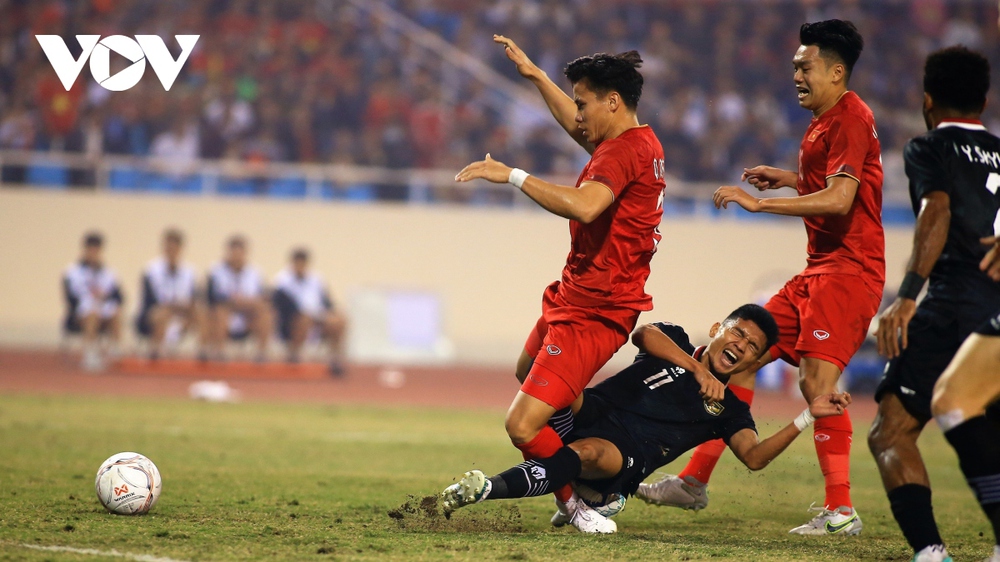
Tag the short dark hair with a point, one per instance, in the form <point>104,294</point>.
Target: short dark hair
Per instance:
<point>759,316</point>
<point>237,241</point>
<point>957,78</point>
<point>605,73</point>
<point>834,37</point>
<point>93,238</point>
<point>300,254</point>
<point>173,235</point>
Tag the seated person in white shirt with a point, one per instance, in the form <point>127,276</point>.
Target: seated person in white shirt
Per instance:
<point>304,306</point>
<point>94,299</point>
<point>169,297</point>
<point>237,305</point>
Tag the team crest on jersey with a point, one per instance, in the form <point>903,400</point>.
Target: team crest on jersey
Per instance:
<point>821,334</point>
<point>813,136</point>
<point>553,349</point>
<point>713,407</point>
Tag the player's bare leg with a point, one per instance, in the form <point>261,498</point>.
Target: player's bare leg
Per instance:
<point>961,396</point>
<point>893,442</point>
<point>159,317</point>
<point>300,331</point>
<point>218,329</point>
<point>90,326</point>
<point>832,438</point>
<point>689,489</point>
<point>526,418</point>
<point>334,328</point>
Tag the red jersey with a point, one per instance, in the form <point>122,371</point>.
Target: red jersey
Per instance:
<point>843,142</point>
<point>608,262</point>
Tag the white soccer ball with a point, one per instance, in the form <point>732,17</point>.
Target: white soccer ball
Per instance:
<point>607,505</point>
<point>128,484</point>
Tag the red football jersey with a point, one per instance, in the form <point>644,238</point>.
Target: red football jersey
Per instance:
<point>843,142</point>
<point>608,262</point>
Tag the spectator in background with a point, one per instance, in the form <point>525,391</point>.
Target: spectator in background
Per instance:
<point>237,305</point>
<point>94,300</point>
<point>169,304</point>
<point>304,308</point>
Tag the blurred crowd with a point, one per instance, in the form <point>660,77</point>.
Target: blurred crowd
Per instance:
<point>332,81</point>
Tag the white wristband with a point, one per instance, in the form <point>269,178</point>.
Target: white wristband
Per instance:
<point>804,420</point>
<point>517,177</point>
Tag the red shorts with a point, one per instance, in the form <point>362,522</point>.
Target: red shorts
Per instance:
<point>822,316</point>
<point>570,344</point>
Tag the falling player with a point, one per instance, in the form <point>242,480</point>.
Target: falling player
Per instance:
<point>839,183</point>
<point>953,187</point>
<point>614,212</point>
<point>649,414</point>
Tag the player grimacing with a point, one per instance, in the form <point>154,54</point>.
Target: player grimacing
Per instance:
<point>614,212</point>
<point>647,415</point>
<point>824,312</point>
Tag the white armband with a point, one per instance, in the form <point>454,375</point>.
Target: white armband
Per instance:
<point>804,420</point>
<point>517,177</point>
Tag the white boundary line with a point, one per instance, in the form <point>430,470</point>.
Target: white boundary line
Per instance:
<point>109,553</point>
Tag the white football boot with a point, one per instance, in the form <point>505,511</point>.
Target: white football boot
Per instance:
<point>586,520</point>
<point>996,555</point>
<point>687,493</point>
<point>932,553</point>
<point>472,488</point>
<point>830,523</point>
<point>564,511</point>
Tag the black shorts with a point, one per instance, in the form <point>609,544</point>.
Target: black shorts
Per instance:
<point>991,327</point>
<point>633,471</point>
<point>934,337</point>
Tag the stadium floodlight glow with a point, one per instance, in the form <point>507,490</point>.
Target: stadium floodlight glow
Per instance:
<point>139,50</point>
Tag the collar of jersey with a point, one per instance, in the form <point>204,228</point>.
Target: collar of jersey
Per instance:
<point>970,124</point>
<point>698,351</point>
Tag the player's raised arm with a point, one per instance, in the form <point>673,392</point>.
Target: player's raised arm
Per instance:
<point>583,204</point>
<point>561,105</point>
<point>769,177</point>
<point>651,340</point>
<point>929,239</point>
<point>756,455</point>
<point>836,199</point>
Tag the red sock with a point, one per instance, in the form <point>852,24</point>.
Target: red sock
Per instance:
<point>706,455</point>
<point>832,436</point>
<point>544,445</point>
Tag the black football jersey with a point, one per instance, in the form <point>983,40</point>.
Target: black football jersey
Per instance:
<point>658,404</point>
<point>963,160</point>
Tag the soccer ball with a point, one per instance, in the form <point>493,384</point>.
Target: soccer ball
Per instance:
<point>607,505</point>
<point>128,484</point>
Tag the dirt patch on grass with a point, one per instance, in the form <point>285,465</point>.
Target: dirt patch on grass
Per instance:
<point>425,514</point>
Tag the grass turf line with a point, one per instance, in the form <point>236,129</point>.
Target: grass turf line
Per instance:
<point>263,481</point>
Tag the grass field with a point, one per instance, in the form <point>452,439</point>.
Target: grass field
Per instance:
<point>262,481</point>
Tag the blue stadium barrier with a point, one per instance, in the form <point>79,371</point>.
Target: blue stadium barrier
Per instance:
<point>162,183</point>
<point>358,192</point>
<point>125,179</point>
<point>290,188</point>
<point>234,186</point>
<point>47,175</point>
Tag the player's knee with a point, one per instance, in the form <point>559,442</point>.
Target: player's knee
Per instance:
<point>590,455</point>
<point>943,401</point>
<point>519,429</point>
<point>879,440</point>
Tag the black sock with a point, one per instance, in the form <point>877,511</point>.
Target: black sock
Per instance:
<point>911,506</point>
<point>536,477</point>
<point>977,442</point>
<point>562,422</point>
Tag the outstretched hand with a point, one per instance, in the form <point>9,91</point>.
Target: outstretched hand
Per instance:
<point>832,404</point>
<point>487,169</point>
<point>731,194</point>
<point>991,262</point>
<point>763,177</point>
<point>524,65</point>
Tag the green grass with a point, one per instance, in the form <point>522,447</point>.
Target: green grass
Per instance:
<point>259,481</point>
